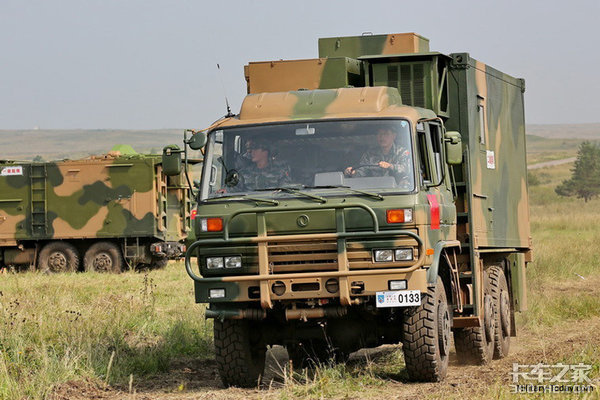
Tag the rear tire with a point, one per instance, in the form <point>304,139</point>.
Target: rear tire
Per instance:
<point>103,257</point>
<point>476,345</point>
<point>426,336</point>
<point>58,257</point>
<point>503,323</point>
<point>314,353</point>
<point>159,262</point>
<point>239,352</point>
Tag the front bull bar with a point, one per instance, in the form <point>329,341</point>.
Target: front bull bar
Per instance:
<point>262,240</point>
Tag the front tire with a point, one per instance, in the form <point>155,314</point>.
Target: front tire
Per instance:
<point>58,257</point>
<point>239,352</point>
<point>426,336</point>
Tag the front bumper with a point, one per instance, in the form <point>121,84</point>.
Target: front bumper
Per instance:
<point>352,284</point>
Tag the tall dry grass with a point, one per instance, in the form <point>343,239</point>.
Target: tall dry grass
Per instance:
<point>56,328</point>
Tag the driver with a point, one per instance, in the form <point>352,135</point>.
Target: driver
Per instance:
<point>387,159</point>
<point>264,171</point>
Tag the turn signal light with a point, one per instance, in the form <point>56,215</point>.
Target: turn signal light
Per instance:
<point>211,224</point>
<point>398,216</point>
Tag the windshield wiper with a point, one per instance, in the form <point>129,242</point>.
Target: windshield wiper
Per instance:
<point>294,190</point>
<point>244,197</point>
<point>348,189</point>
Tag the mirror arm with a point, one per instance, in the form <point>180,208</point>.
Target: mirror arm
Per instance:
<point>185,161</point>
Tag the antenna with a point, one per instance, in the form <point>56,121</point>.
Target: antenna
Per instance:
<point>229,114</point>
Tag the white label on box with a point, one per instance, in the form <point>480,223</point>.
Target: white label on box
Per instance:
<point>398,298</point>
<point>16,170</point>
<point>491,159</point>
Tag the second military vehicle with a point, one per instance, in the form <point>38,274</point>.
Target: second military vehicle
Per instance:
<point>99,213</point>
<point>376,194</point>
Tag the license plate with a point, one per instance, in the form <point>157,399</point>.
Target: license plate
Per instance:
<point>398,298</point>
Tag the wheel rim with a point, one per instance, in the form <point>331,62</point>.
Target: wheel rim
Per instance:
<point>57,261</point>
<point>505,313</point>
<point>444,329</point>
<point>102,262</point>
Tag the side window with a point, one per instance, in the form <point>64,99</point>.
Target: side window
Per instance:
<point>424,167</point>
<point>435,133</point>
<point>217,171</point>
<point>481,114</point>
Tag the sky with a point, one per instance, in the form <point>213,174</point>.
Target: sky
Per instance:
<point>151,64</point>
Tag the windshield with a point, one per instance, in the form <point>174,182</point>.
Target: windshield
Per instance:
<point>357,154</point>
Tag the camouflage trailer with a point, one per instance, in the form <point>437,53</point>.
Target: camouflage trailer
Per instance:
<point>96,213</point>
<point>387,226</point>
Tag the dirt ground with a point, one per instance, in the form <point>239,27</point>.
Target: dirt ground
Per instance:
<point>195,379</point>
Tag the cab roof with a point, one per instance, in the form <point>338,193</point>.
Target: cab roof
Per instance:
<point>365,102</point>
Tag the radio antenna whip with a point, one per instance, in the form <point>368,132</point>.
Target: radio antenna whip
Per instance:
<point>229,114</point>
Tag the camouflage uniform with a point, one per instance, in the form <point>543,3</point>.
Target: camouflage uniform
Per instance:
<point>276,174</point>
<point>398,156</point>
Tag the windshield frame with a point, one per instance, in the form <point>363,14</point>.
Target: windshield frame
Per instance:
<point>325,192</point>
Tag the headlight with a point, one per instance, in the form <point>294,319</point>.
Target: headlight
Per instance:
<point>233,262</point>
<point>384,255</point>
<point>404,254</point>
<point>214,262</point>
<point>216,293</point>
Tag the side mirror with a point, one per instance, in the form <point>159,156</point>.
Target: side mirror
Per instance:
<point>453,144</point>
<point>171,160</point>
<point>197,141</point>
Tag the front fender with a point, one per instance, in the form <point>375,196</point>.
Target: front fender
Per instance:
<point>433,271</point>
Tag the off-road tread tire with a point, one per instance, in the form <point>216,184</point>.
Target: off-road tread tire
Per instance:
<point>470,343</point>
<point>107,247</point>
<point>68,250</point>
<point>159,262</point>
<point>235,363</point>
<point>420,339</point>
<point>498,282</point>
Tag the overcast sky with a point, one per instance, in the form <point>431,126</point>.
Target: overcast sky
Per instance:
<point>149,64</point>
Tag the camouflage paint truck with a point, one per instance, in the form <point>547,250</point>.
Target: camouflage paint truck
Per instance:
<point>350,240</point>
<point>96,213</point>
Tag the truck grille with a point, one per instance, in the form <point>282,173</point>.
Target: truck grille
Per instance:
<point>315,256</point>
<point>305,256</point>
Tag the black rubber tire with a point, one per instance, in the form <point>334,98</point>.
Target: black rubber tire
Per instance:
<point>503,322</point>
<point>239,353</point>
<point>159,262</point>
<point>58,257</point>
<point>103,257</point>
<point>426,336</point>
<point>473,345</point>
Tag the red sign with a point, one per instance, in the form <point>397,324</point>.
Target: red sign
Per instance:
<point>434,208</point>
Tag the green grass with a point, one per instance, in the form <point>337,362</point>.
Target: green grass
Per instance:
<point>60,328</point>
<point>57,328</point>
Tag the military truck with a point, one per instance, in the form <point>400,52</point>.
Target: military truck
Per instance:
<point>99,214</point>
<point>344,238</point>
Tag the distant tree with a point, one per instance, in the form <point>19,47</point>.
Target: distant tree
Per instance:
<point>154,150</point>
<point>532,179</point>
<point>38,158</point>
<point>585,180</point>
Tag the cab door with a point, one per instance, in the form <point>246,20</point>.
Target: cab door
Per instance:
<point>440,200</point>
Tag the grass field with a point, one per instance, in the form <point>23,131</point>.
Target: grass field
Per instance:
<point>140,335</point>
